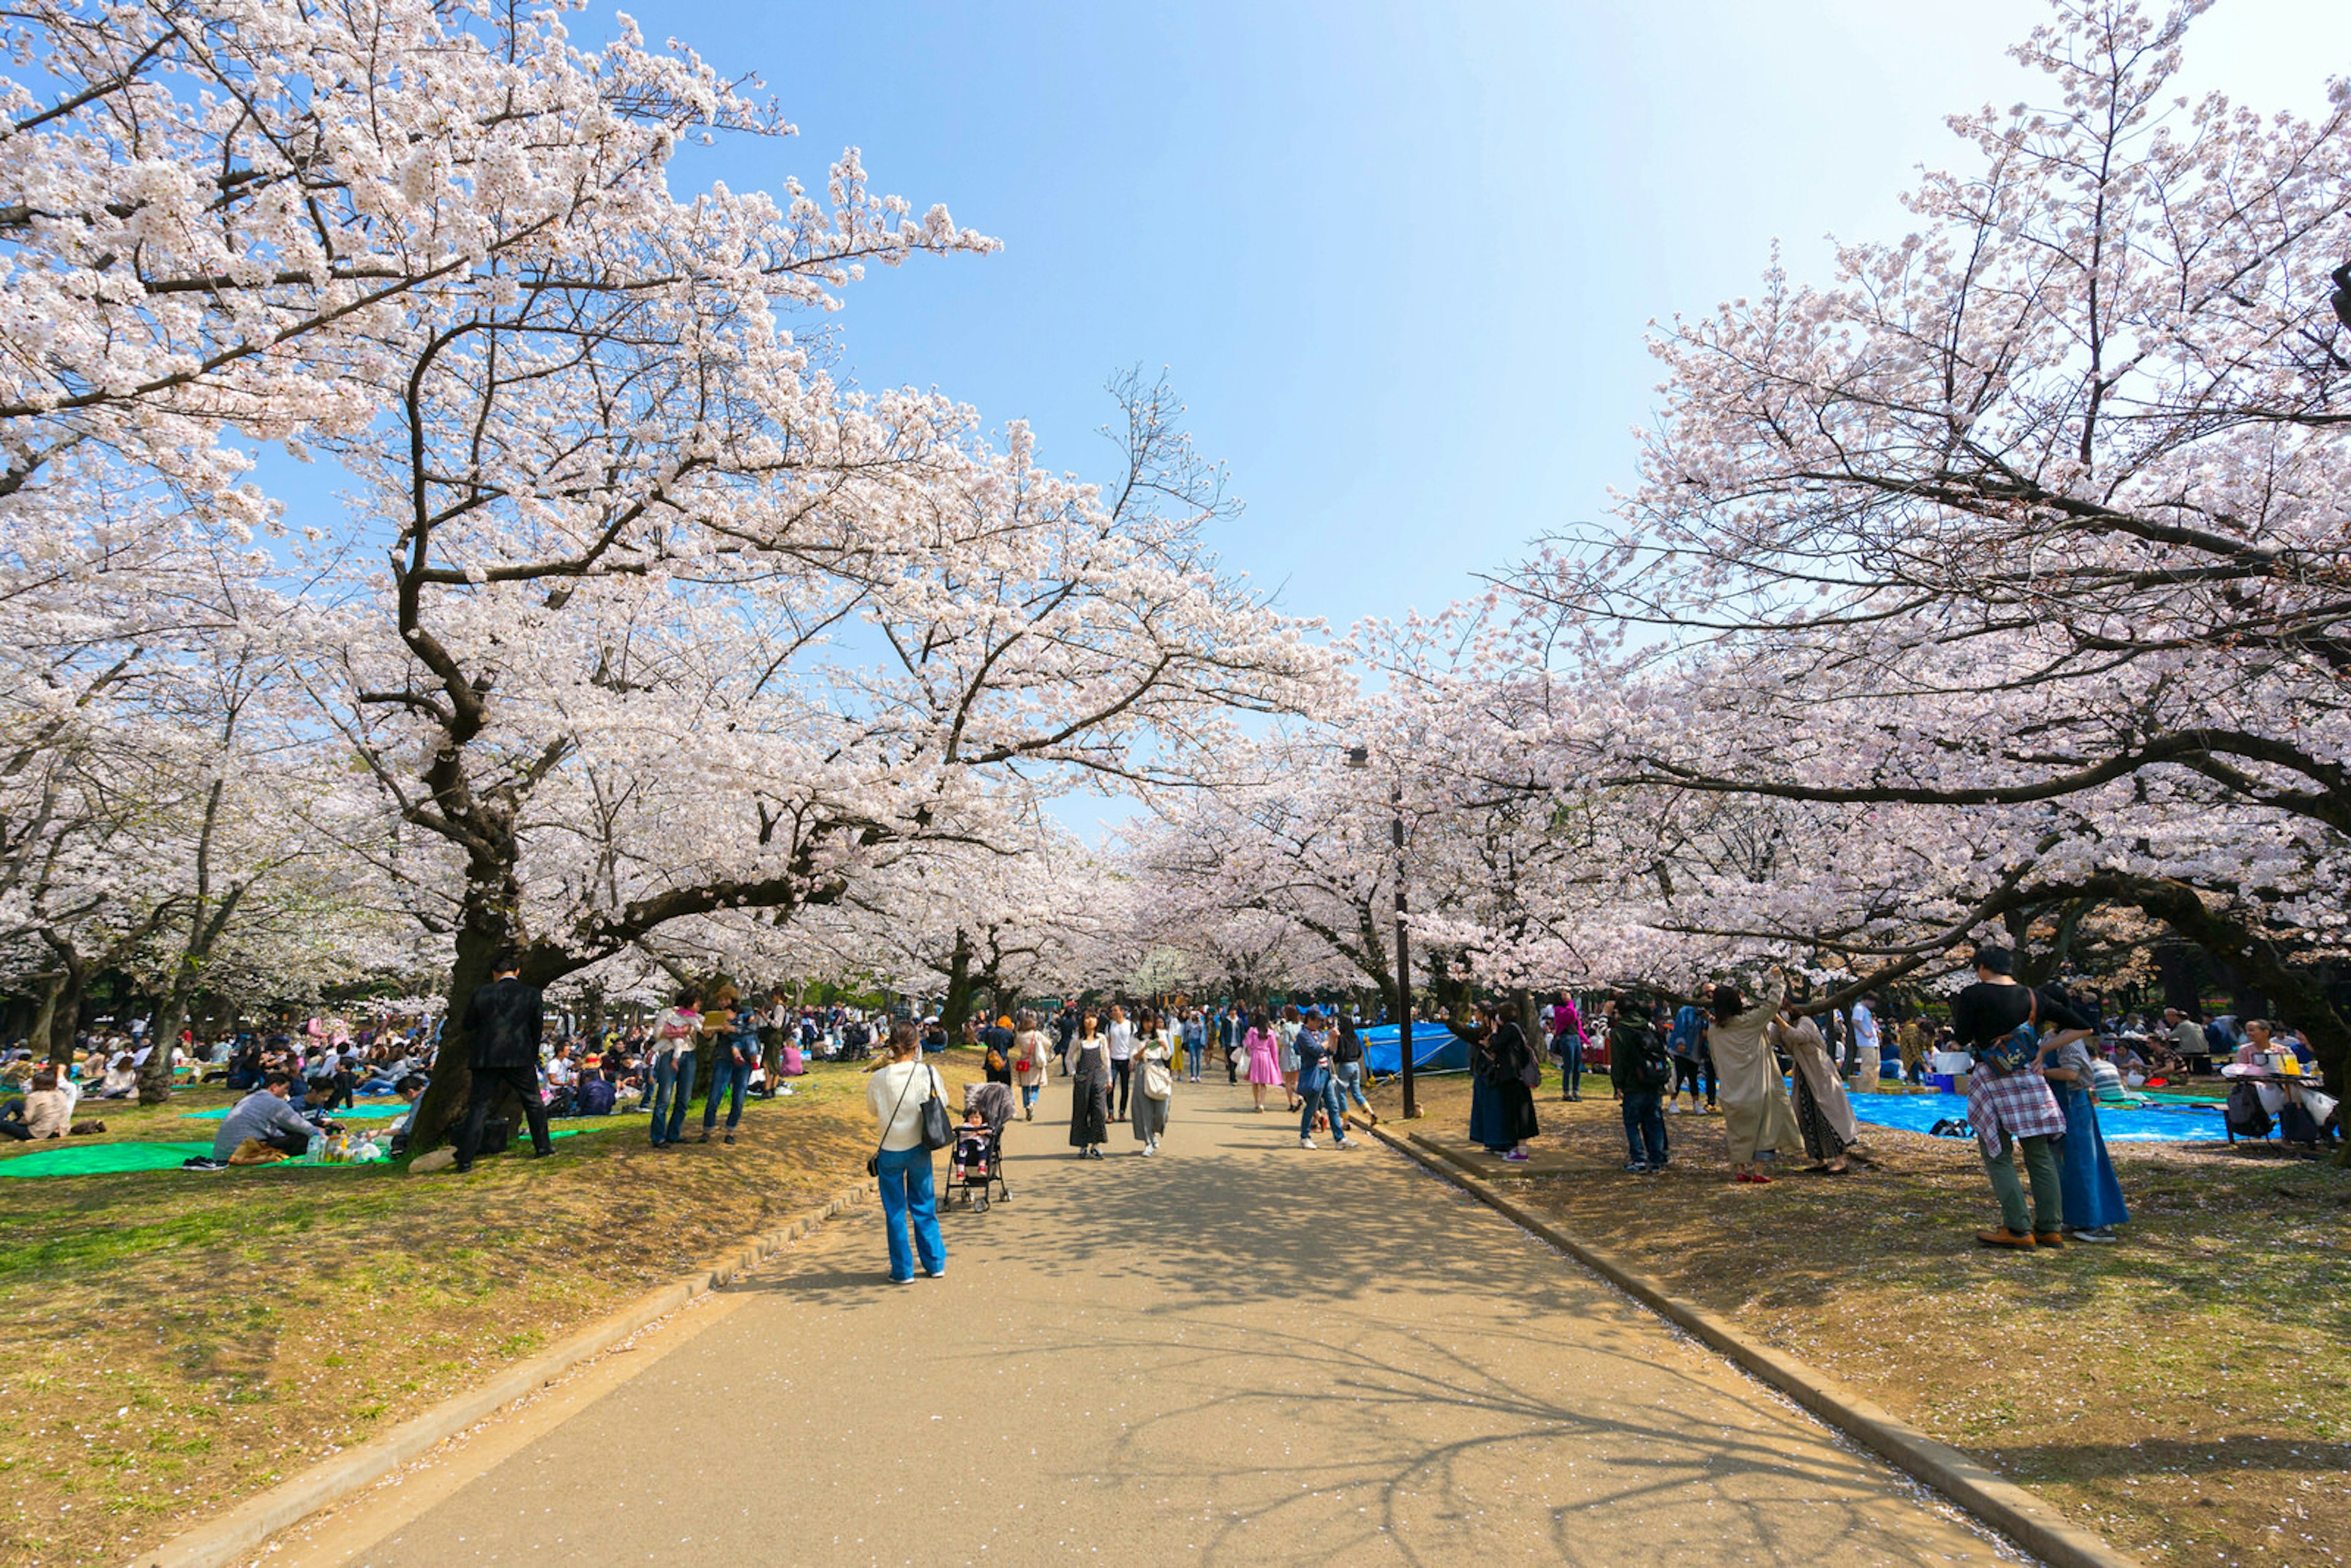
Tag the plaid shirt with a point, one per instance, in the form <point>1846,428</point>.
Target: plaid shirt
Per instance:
<point>2020,1104</point>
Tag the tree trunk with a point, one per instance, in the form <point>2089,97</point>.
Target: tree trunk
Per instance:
<point>957,1006</point>
<point>44,1016</point>
<point>484,930</point>
<point>64,1005</point>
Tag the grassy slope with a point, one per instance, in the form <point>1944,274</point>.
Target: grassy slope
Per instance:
<point>176,1341</point>
<point>2186,1391</point>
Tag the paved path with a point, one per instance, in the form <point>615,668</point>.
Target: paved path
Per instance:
<point>1236,1351</point>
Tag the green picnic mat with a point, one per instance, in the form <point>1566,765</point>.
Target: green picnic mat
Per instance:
<point>357,1110</point>
<point>72,1159</point>
<point>101,1159</point>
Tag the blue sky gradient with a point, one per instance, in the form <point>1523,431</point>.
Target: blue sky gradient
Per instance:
<point>1399,258</point>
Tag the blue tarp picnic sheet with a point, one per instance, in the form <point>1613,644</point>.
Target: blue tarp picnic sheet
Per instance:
<point>2177,1124</point>
<point>357,1110</point>
<point>1434,1047</point>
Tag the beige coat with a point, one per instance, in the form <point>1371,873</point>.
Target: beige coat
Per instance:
<point>1756,1115</point>
<point>1036,1046</point>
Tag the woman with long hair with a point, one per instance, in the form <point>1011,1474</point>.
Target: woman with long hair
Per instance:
<point>1089,1089</point>
<point>896,1094</point>
<point>1503,1118</point>
<point>1756,1117</point>
<point>1264,1047</point>
<point>1031,1059</point>
<point>1823,1114</point>
<point>1154,1055</point>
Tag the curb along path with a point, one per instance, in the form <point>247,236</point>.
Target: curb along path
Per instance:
<point>1990,1497</point>
<point>223,1539</point>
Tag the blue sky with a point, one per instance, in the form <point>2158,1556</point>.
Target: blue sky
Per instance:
<point>1398,258</point>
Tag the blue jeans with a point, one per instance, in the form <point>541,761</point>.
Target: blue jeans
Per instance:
<point>1326,1101</point>
<point>905,1175</point>
<point>1028,1094</point>
<point>1571,1078</point>
<point>1645,1123</point>
<point>730,1074</point>
<point>1348,1078</point>
<point>673,1087</point>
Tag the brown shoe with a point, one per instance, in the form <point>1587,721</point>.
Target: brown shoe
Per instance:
<point>2048,1239</point>
<point>2020,1239</point>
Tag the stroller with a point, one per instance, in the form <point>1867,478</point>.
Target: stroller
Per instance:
<point>976,1166</point>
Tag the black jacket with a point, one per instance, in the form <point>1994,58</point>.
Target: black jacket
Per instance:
<point>502,1025</point>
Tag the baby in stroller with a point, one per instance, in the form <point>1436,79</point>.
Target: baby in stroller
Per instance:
<point>976,1165</point>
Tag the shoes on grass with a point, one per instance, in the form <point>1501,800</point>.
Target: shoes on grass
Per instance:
<point>2016,1241</point>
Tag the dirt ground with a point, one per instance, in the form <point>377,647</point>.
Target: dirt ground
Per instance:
<point>2186,1391</point>
<point>175,1341</point>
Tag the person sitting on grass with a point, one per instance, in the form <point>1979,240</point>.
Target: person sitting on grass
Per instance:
<point>45,1112</point>
<point>411,1089</point>
<point>264,1115</point>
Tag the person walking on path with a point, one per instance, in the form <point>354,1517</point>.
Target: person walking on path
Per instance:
<point>503,1023</point>
<point>1154,1090</point>
<point>1121,1036</point>
<point>1287,1028</point>
<point>1235,1031</point>
<point>1318,1090</point>
<point>1823,1114</point>
<point>1264,1048</point>
<point>1347,1070</point>
<point>2014,1113</point>
<point>896,1094</point>
<point>1756,1118</point>
<point>672,1066</point>
<point>1692,1064</point>
<point>1567,1039</point>
<point>1639,1070</point>
<point>1089,1089</point>
<point>737,1030</point>
<point>1195,1044</point>
<point>1030,1063</point>
<point>1065,1033</point>
<point>2090,1196</point>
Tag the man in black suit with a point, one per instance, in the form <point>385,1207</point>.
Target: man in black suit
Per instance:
<point>502,1030</point>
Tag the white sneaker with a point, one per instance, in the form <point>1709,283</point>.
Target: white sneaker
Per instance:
<point>1305,1143</point>
<point>1673,1110</point>
<point>1149,1148</point>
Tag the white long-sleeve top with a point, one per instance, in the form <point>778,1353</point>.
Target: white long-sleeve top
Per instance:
<point>1122,1040</point>
<point>895,1093</point>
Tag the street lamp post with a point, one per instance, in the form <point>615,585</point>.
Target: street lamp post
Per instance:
<point>1361,757</point>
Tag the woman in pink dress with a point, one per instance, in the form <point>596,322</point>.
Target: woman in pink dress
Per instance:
<point>1263,1044</point>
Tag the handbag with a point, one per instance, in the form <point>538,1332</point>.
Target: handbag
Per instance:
<point>1157,1083</point>
<point>938,1131</point>
<point>2019,1047</point>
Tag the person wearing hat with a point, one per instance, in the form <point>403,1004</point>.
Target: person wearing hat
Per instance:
<point>1318,1089</point>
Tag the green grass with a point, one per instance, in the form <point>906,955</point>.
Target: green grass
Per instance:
<point>2181,1392</point>
<point>177,1341</point>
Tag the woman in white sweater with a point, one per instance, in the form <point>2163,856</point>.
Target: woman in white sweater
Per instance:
<point>896,1094</point>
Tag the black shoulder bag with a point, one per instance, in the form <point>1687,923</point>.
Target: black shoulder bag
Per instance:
<point>873,1160</point>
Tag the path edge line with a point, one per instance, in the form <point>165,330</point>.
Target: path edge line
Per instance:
<point>1993,1498</point>
<point>221,1541</point>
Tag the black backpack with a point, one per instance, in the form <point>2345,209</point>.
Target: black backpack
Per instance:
<point>1652,1066</point>
<point>2247,1117</point>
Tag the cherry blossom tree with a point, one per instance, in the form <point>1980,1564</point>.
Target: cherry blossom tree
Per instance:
<point>2032,517</point>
